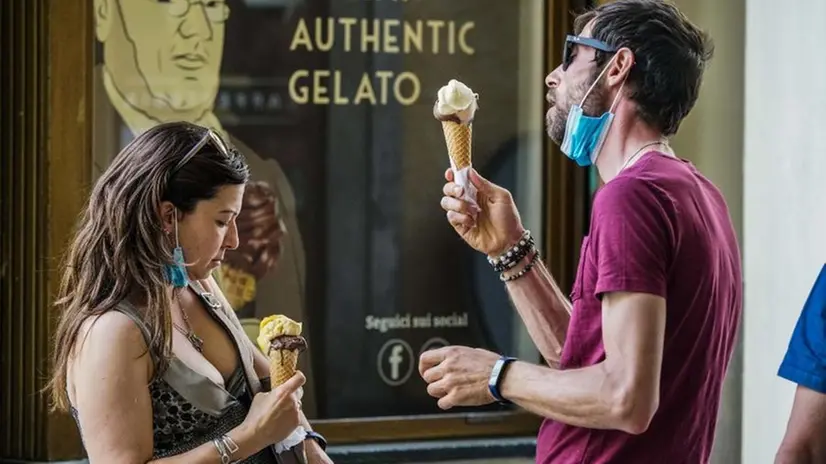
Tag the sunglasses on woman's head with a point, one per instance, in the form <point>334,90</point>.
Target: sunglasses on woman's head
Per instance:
<point>572,41</point>
<point>210,136</point>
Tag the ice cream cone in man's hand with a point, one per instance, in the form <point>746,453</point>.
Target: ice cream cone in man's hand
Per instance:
<point>493,226</point>
<point>455,108</point>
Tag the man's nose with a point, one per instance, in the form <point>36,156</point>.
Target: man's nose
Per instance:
<point>552,79</point>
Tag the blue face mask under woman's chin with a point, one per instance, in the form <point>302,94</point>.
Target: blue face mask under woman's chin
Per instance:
<point>176,272</point>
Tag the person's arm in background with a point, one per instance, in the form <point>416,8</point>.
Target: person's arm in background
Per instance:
<point>805,365</point>
<point>804,440</point>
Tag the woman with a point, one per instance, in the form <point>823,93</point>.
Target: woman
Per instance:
<point>150,359</point>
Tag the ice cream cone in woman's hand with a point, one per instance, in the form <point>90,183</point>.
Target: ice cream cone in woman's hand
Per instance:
<point>280,339</point>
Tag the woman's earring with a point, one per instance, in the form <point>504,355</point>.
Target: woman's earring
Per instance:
<point>176,272</point>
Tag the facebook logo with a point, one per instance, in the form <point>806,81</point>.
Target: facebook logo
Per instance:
<point>395,359</point>
<point>395,362</point>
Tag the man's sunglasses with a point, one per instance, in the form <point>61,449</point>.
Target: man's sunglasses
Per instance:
<point>572,41</point>
<point>210,136</point>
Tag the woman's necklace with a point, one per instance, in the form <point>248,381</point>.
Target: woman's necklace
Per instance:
<point>194,340</point>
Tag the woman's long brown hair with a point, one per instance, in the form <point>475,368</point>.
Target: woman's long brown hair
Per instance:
<point>119,250</point>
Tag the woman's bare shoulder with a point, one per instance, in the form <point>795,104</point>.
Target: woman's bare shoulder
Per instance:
<point>112,327</point>
<point>110,341</point>
<point>110,381</point>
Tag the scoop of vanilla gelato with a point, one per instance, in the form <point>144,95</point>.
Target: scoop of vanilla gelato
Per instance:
<point>456,99</point>
<point>276,326</point>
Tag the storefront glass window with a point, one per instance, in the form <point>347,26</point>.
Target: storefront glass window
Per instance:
<point>331,102</point>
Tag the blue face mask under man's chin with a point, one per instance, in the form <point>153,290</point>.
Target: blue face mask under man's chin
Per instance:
<point>584,135</point>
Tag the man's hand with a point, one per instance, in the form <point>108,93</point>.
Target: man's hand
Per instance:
<point>316,455</point>
<point>458,375</point>
<point>492,230</point>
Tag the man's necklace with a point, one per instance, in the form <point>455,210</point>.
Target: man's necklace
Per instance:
<point>639,152</point>
<point>194,340</point>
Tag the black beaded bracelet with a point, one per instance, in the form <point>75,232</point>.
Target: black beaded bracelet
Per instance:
<point>515,258</point>
<point>522,271</point>
<point>515,254</point>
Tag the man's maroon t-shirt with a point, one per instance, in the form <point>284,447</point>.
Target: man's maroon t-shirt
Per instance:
<point>659,227</point>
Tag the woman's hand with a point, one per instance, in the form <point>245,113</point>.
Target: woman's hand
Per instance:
<point>275,414</point>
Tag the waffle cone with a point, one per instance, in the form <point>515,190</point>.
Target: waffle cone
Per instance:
<point>238,286</point>
<point>283,364</point>
<point>458,139</point>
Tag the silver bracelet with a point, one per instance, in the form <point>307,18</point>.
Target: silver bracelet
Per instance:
<point>232,447</point>
<point>222,452</point>
<point>226,447</point>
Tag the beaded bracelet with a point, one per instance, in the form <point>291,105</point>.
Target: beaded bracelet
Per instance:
<point>515,254</point>
<point>503,260</point>
<point>515,258</point>
<point>522,271</point>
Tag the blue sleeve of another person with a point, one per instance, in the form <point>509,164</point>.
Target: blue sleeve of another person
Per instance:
<point>805,360</point>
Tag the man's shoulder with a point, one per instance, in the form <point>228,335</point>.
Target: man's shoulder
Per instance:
<point>667,183</point>
<point>631,196</point>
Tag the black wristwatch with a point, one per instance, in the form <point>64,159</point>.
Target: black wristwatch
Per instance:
<point>318,438</point>
<point>496,378</point>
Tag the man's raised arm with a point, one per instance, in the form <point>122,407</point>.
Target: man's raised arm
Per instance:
<point>544,309</point>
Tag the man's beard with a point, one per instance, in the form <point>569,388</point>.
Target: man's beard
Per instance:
<point>557,117</point>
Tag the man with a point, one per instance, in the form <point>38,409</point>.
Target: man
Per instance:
<point>805,365</point>
<point>161,61</point>
<point>638,356</point>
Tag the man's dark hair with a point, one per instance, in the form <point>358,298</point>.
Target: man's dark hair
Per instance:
<point>670,55</point>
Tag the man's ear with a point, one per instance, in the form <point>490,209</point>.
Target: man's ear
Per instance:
<point>623,63</point>
<point>167,213</point>
<point>104,16</point>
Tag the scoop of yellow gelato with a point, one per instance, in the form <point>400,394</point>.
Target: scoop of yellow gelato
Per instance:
<point>274,326</point>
